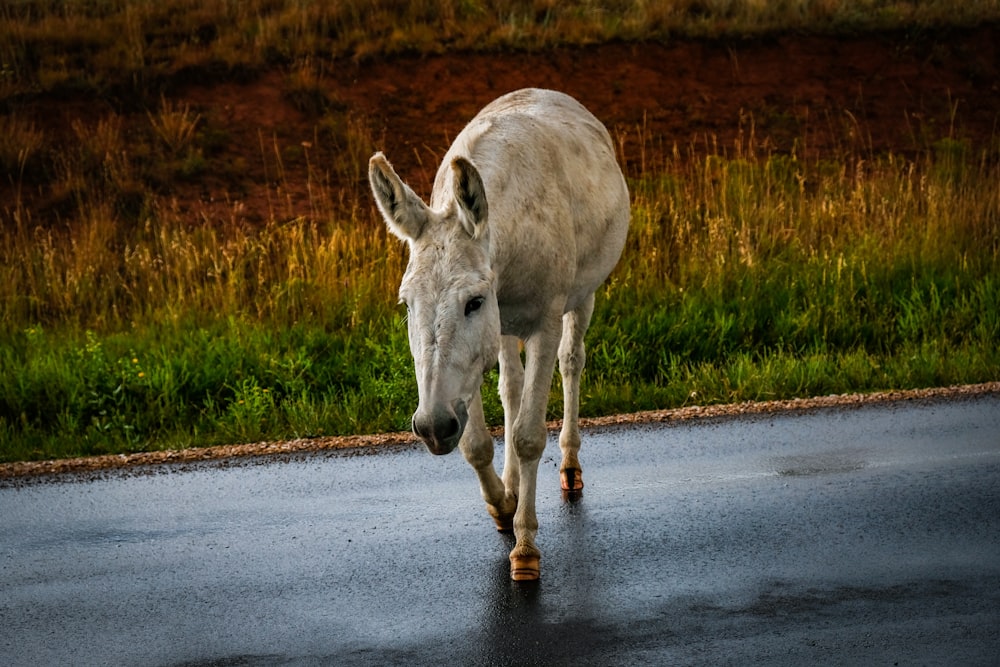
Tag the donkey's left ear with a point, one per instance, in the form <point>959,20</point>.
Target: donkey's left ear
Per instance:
<point>470,195</point>
<point>404,212</point>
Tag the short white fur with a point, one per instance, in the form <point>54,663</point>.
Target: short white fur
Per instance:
<point>527,217</point>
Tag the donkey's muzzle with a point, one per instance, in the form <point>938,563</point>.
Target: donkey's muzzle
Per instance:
<point>441,428</point>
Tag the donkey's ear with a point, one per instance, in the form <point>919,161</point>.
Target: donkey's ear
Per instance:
<point>470,195</point>
<point>404,212</point>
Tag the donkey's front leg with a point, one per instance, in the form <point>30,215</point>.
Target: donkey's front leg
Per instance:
<point>529,442</point>
<point>477,448</point>
<point>511,387</point>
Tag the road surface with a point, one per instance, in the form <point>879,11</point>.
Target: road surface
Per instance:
<point>861,536</point>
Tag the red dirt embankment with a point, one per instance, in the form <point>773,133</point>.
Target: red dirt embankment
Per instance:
<point>882,92</point>
<point>817,95</point>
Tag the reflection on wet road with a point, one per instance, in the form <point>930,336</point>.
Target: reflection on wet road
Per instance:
<point>857,536</point>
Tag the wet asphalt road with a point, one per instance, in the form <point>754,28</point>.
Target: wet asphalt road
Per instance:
<point>863,536</point>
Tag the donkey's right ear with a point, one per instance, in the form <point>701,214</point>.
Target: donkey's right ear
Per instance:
<point>404,212</point>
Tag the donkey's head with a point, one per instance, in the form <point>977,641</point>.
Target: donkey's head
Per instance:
<point>449,290</point>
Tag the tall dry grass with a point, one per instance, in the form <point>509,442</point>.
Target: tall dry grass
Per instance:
<point>699,219</point>
<point>125,255</point>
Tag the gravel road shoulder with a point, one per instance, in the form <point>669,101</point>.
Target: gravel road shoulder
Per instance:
<point>14,471</point>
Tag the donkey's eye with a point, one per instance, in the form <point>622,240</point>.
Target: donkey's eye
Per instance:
<point>473,304</point>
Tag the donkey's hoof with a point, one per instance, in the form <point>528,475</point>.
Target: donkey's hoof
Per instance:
<point>524,568</point>
<point>571,479</point>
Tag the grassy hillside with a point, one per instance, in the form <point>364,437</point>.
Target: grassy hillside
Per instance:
<point>129,323</point>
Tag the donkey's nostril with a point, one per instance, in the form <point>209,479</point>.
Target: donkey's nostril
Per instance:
<point>422,428</point>
<point>450,427</point>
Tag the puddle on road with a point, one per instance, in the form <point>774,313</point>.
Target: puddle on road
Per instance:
<point>822,463</point>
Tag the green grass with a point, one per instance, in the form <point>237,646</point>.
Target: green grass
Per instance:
<point>177,385</point>
<point>744,278</point>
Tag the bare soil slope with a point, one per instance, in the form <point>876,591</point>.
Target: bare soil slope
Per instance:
<point>882,92</point>
<point>816,95</point>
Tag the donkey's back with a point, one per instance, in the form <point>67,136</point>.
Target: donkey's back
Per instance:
<point>558,203</point>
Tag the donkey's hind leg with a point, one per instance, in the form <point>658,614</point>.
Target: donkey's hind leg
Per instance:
<point>572,358</point>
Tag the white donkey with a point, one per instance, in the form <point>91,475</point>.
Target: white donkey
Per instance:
<point>527,218</point>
